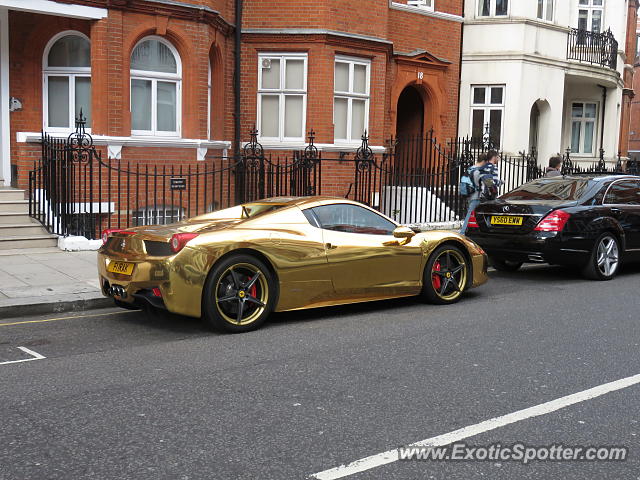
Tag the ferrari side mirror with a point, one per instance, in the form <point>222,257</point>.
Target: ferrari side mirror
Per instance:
<point>404,233</point>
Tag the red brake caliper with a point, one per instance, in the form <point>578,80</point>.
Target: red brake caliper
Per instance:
<point>435,278</point>
<point>253,290</point>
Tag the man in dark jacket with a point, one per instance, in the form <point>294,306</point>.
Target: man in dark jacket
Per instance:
<point>554,168</point>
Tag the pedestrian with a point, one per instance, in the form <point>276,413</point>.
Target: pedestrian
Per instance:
<point>492,167</point>
<point>474,174</point>
<point>554,168</point>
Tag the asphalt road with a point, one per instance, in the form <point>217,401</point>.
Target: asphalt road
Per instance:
<point>129,395</point>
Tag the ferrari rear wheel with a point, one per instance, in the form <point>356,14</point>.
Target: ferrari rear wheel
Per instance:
<point>239,294</point>
<point>445,275</point>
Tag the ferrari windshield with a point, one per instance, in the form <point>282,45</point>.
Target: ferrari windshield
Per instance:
<point>565,189</point>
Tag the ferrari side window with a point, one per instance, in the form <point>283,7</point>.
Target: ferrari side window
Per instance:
<point>311,217</point>
<point>353,219</point>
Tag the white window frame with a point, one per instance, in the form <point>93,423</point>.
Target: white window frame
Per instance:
<point>492,9</point>
<point>282,93</point>
<point>422,4</point>
<point>156,77</point>
<point>545,11</point>
<point>70,72</point>
<point>351,95</point>
<point>583,121</point>
<point>590,8</point>
<point>487,106</point>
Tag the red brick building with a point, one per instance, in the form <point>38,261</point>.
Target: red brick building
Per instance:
<point>155,78</point>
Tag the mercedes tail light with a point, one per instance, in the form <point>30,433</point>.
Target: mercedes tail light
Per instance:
<point>553,222</point>
<point>179,240</point>
<point>107,233</point>
<point>473,223</point>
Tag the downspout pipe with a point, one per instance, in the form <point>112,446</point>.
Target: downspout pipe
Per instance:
<point>237,83</point>
<point>604,108</point>
<point>460,75</point>
<point>239,180</point>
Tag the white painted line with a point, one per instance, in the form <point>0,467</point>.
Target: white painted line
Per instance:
<point>34,356</point>
<point>391,456</point>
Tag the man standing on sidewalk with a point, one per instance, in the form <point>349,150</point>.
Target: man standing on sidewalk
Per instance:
<point>474,199</point>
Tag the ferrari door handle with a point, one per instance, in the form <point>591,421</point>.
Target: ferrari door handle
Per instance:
<point>330,246</point>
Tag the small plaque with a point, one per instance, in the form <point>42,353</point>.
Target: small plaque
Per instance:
<point>178,183</point>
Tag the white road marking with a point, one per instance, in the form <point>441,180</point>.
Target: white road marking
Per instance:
<point>391,456</point>
<point>34,356</point>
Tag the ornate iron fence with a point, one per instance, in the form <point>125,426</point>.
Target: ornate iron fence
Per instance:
<point>593,47</point>
<point>74,191</point>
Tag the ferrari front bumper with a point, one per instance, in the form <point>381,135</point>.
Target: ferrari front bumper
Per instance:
<point>480,264</point>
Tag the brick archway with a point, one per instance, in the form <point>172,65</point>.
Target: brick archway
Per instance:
<point>425,74</point>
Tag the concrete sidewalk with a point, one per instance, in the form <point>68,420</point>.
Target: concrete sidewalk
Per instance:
<point>48,280</point>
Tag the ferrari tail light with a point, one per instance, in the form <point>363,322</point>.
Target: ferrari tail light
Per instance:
<point>106,233</point>
<point>553,222</point>
<point>473,222</point>
<point>179,240</point>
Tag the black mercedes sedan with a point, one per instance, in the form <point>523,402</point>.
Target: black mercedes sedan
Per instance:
<point>588,221</point>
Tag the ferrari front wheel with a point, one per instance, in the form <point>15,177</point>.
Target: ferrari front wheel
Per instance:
<point>445,275</point>
<point>239,294</point>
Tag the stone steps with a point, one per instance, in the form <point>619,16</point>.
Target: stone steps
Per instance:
<point>17,230</point>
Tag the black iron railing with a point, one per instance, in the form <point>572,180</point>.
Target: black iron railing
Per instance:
<point>594,48</point>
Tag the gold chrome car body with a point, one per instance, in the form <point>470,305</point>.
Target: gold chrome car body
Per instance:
<point>313,267</point>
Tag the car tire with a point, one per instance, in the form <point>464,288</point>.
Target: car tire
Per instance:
<point>234,299</point>
<point>504,265</point>
<point>446,276</point>
<point>605,260</point>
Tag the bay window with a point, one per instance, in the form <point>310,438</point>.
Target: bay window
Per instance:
<point>282,96</point>
<point>545,10</point>
<point>493,8</point>
<point>351,99</point>
<point>67,81</point>
<point>590,15</point>
<point>155,88</point>
<point>583,127</point>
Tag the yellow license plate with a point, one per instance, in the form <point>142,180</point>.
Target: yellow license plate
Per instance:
<point>505,220</point>
<point>124,268</point>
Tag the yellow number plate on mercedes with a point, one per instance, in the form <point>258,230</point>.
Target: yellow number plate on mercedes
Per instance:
<point>505,220</point>
<point>123,268</point>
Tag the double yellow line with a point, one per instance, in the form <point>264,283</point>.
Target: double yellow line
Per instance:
<point>66,318</point>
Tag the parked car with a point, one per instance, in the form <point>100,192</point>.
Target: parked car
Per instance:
<point>588,221</point>
<point>235,266</point>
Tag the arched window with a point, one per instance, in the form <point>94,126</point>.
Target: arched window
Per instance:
<point>156,76</point>
<point>67,80</point>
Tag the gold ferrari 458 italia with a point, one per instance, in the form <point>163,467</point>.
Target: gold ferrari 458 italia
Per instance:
<point>235,266</point>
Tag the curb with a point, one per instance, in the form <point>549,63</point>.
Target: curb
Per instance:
<point>20,307</point>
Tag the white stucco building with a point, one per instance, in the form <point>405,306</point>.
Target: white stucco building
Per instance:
<point>545,74</point>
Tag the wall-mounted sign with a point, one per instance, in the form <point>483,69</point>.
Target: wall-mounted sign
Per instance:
<point>178,183</point>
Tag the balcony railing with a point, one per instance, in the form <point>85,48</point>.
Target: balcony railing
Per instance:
<point>594,48</point>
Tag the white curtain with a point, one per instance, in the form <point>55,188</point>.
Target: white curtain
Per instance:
<point>140,104</point>
<point>58,95</point>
